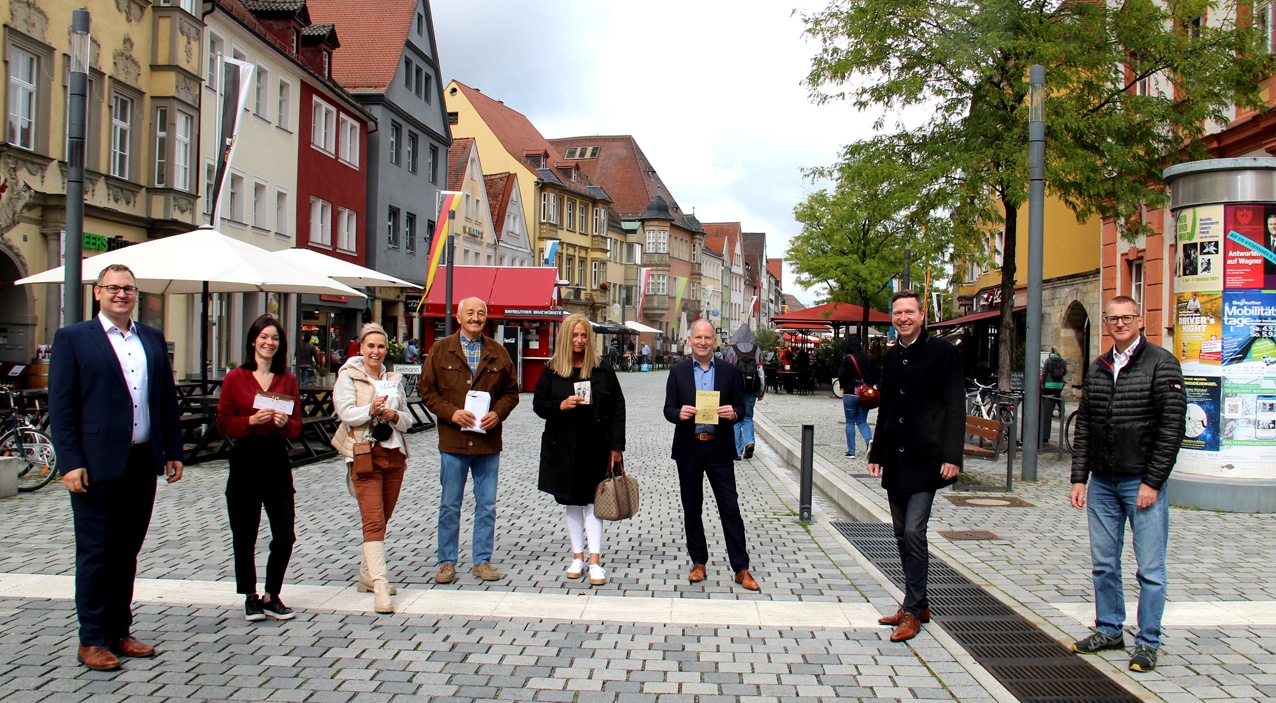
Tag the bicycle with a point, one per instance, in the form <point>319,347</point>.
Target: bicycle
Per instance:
<point>1070,425</point>
<point>979,401</point>
<point>21,439</point>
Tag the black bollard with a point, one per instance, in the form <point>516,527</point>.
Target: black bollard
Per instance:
<point>808,469</point>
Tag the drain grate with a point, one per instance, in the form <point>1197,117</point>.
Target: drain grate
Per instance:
<point>1029,663</point>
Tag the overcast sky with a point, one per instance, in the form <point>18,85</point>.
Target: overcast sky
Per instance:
<point>711,89</point>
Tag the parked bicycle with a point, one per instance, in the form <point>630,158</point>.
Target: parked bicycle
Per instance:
<point>989,403</point>
<point>23,440</point>
<point>1070,425</point>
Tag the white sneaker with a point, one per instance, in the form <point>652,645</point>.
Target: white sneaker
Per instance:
<point>597,576</point>
<point>576,569</point>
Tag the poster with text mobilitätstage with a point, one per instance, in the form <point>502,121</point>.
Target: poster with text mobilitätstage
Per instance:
<point>1249,328</point>
<point>1199,233</point>
<point>1249,247</point>
<point>1198,327</point>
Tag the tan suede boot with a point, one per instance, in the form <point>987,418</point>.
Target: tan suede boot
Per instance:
<point>374,554</point>
<point>364,584</point>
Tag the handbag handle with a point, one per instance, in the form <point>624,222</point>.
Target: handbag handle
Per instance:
<point>617,470</point>
<point>857,369</point>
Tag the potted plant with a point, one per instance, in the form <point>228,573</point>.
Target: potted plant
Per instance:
<point>324,376</point>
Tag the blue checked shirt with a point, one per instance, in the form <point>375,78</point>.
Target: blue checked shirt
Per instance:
<point>473,351</point>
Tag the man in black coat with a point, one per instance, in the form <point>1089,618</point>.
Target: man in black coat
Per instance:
<point>918,446</point>
<point>707,450</point>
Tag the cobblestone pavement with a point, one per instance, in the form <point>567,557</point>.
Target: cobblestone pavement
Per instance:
<point>1222,566</point>
<point>208,652</point>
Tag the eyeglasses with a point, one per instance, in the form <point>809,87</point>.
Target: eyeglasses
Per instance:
<point>128,291</point>
<point>1120,319</point>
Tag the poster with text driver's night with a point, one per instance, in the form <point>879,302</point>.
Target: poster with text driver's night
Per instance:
<point>1249,247</point>
<point>1249,327</point>
<point>1203,395</point>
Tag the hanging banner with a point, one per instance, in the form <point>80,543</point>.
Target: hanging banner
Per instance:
<point>681,287</point>
<point>551,253</point>
<point>644,277</point>
<point>1200,245</point>
<point>1198,327</point>
<point>447,213</point>
<point>238,82</point>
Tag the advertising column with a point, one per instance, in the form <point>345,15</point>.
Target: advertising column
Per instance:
<point>1225,333</point>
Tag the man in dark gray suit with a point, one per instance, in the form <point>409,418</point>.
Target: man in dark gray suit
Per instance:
<point>114,419</point>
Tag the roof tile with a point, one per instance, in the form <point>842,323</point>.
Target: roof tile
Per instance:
<point>370,51</point>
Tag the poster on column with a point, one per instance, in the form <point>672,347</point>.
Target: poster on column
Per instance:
<point>1249,413</point>
<point>1200,245</point>
<point>1249,329</point>
<point>1202,428</point>
<point>1198,327</point>
<point>1249,256</point>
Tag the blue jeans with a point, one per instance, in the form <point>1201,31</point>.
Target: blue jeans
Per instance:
<point>453,470</point>
<point>1110,503</point>
<point>856,416</point>
<point>744,428</point>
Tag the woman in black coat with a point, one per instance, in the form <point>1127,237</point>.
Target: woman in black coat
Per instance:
<point>584,411</point>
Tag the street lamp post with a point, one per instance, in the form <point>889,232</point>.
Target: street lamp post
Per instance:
<point>76,131</point>
<point>1036,223</point>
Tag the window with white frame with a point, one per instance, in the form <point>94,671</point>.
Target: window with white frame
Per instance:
<point>160,175</point>
<point>998,246</point>
<point>414,149</point>
<point>658,284</point>
<point>571,215</point>
<point>188,5</point>
<point>1263,23</point>
<point>350,141</point>
<point>582,216</point>
<point>121,134</point>
<point>1136,282</point>
<point>323,128</point>
<point>261,210</point>
<point>283,105</point>
<point>210,186</point>
<point>24,74</point>
<point>549,207</point>
<point>261,92</point>
<point>216,48</point>
<point>594,278</point>
<point>281,211</point>
<point>347,224</point>
<point>320,222</point>
<point>434,164</point>
<point>234,210</point>
<point>396,143</point>
<point>409,233</point>
<point>658,241</point>
<point>392,228</point>
<point>600,221</point>
<point>184,129</point>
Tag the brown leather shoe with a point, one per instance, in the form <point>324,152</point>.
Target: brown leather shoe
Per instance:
<point>131,647</point>
<point>908,628</point>
<point>744,578</point>
<point>894,620</point>
<point>697,573</point>
<point>97,658</point>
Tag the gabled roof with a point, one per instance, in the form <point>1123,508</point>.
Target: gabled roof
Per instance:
<point>287,7</point>
<point>793,303</point>
<point>730,231</point>
<point>458,159</point>
<point>500,186</point>
<point>753,243</point>
<point>373,34</point>
<point>715,242</point>
<point>775,267</point>
<point>623,169</point>
<point>515,132</point>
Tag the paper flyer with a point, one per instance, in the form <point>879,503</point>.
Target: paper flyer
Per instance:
<point>707,407</point>
<point>582,390</point>
<point>479,403</point>
<point>274,401</point>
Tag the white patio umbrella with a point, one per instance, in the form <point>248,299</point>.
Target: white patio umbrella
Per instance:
<point>205,261</point>
<point>342,271</point>
<point>639,327</point>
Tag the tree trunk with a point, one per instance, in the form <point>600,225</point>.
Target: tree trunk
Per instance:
<point>1006,334</point>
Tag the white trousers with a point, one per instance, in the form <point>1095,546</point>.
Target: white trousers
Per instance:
<point>581,522</point>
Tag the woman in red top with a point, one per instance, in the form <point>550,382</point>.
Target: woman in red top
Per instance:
<point>260,472</point>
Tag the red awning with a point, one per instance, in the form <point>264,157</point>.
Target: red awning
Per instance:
<point>510,292</point>
<point>839,314</point>
<point>972,317</point>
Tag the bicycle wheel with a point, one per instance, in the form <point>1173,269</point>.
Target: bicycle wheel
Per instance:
<point>836,388</point>
<point>36,449</point>
<point>1069,428</point>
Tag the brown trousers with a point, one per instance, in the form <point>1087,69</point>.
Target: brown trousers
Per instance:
<point>378,491</point>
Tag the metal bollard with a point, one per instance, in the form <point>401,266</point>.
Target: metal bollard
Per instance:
<point>808,470</point>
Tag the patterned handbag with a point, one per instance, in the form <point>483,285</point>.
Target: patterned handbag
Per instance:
<point>616,498</point>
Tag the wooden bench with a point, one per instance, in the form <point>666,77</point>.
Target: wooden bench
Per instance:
<point>315,442</point>
<point>986,439</point>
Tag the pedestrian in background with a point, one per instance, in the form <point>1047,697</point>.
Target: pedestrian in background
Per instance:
<point>703,449</point>
<point>584,411</point>
<point>369,400</point>
<point>109,459</point>
<point>458,366</point>
<point>307,358</point>
<point>919,446</point>
<point>742,350</point>
<point>857,367</point>
<point>260,474</point>
<point>1129,424</point>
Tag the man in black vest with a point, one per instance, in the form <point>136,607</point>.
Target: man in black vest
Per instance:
<point>918,447</point>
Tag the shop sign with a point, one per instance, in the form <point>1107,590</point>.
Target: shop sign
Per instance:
<point>988,299</point>
<point>534,312</point>
<point>411,300</point>
<point>335,298</point>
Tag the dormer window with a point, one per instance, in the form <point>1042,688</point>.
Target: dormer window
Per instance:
<point>327,64</point>
<point>295,34</point>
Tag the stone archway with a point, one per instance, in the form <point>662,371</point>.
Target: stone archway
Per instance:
<point>1074,344</point>
<point>17,312</point>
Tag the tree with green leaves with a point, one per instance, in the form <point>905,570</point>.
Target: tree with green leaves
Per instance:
<point>1131,88</point>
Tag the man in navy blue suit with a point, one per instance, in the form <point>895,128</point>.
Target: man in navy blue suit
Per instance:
<point>113,412</point>
<point>707,449</point>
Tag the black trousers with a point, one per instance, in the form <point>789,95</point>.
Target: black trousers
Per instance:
<point>260,477</point>
<point>707,461</point>
<point>111,520</point>
<point>910,514</point>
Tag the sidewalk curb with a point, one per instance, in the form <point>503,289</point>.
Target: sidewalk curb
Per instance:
<point>865,506</point>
